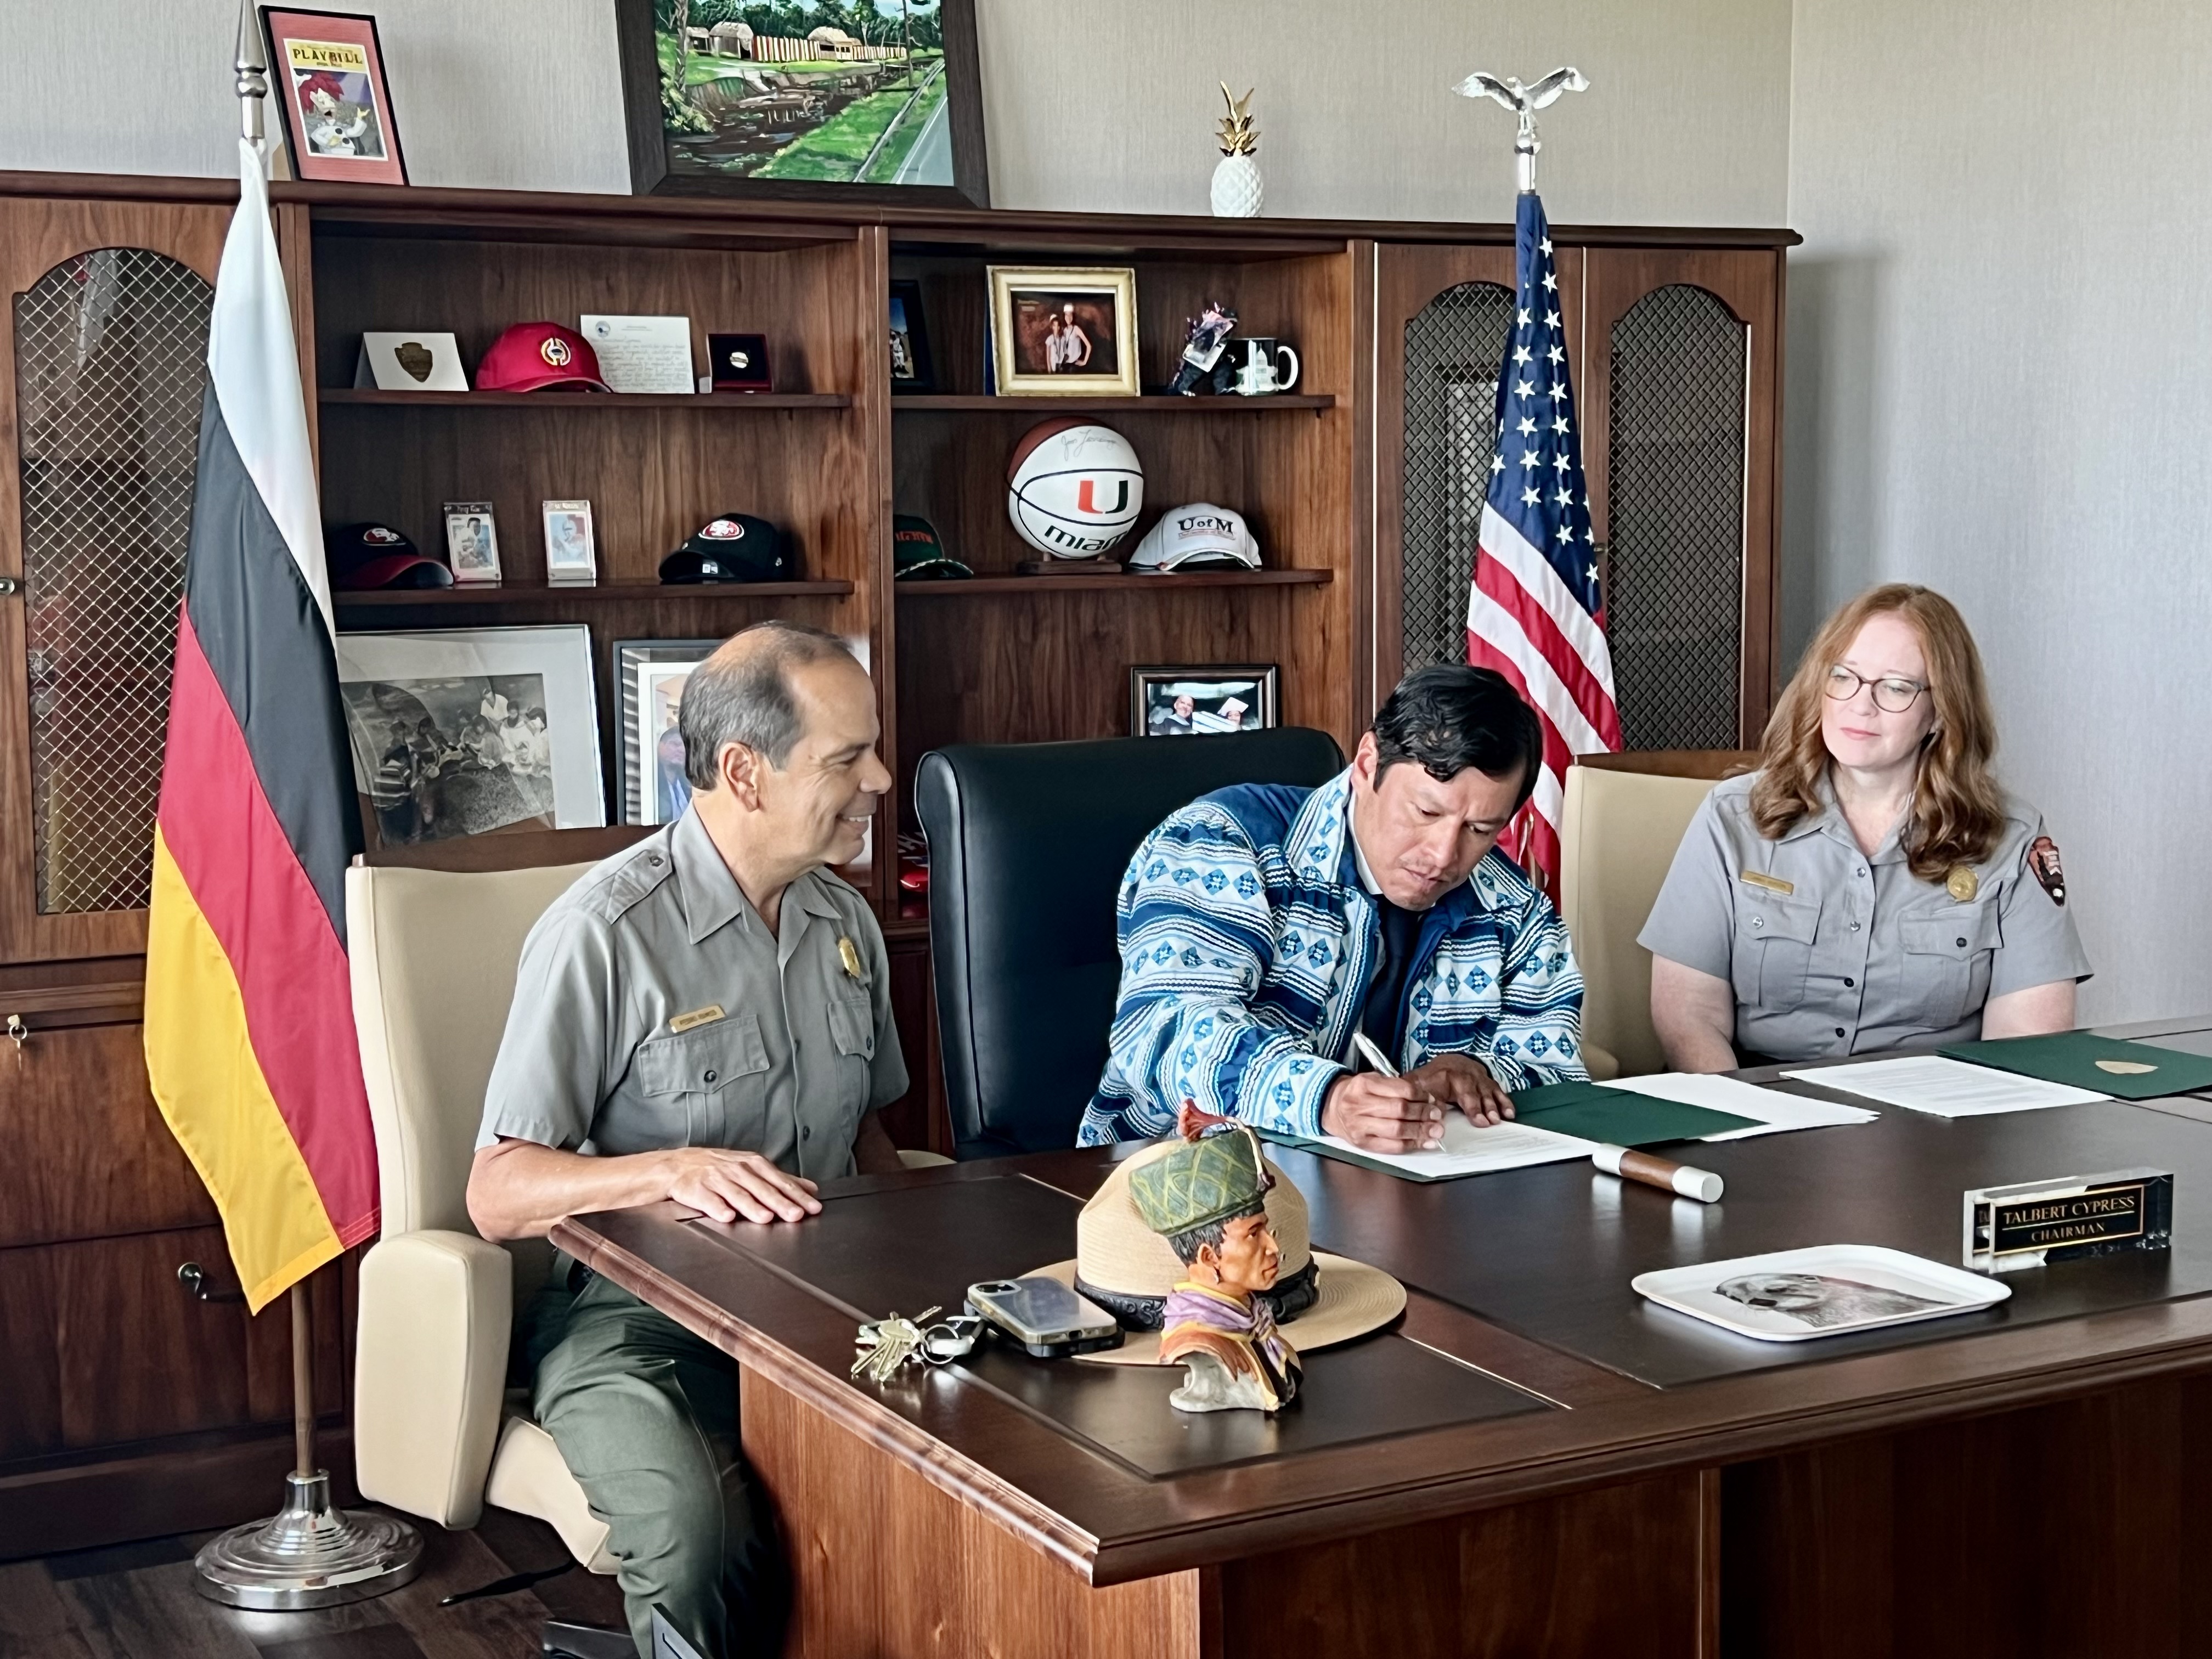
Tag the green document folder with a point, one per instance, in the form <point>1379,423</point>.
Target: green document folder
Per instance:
<point>2071,1057</point>
<point>1617,1116</point>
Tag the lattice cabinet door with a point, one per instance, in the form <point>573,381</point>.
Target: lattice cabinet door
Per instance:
<point>1680,378</point>
<point>103,353</point>
<point>1443,314</point>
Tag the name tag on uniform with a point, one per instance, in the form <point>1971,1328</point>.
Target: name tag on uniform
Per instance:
<point>706,1016</point>
<point>1772,884</point>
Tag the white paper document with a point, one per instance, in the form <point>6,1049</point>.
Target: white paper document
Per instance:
<point>642,354</point>
<point>1774,1110</point>
<point>1946,1088</point>
<point>1471,1150</point>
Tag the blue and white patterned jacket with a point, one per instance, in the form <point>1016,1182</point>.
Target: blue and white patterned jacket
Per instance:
<point>1248,944</point>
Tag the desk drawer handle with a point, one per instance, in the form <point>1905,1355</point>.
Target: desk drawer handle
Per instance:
<point>10,587</point>
<point>18,1030</point>
<point>194,1278</point>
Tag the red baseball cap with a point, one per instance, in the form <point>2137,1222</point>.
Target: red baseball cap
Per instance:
<point>371,556</point>
<point>531,356</point>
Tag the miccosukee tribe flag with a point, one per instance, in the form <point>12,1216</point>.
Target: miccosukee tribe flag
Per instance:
<point>249,1022</point>
<point>1534,609</point>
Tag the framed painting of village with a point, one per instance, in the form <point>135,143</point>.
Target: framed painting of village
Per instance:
<point>832,99</point>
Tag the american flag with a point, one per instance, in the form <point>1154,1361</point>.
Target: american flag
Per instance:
<point>1534,611</point>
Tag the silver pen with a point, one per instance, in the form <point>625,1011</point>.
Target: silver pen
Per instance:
<point>1373,1056</point>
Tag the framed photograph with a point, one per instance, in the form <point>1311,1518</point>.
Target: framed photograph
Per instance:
<point>1194,701</point>
<point>912,367</point>
<point>327,72</point>
<point>650,674</point>
<point>571,557</point>
<point>1064,333</point>
<point>473,730</point>
<point>867,102</point>
<point>471,543</point>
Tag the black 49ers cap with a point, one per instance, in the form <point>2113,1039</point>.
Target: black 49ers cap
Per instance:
<point>734,547</point>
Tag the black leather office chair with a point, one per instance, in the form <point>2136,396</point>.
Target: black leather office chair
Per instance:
<point>1027,844</point>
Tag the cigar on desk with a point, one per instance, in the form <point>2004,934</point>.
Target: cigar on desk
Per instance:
<point>1654,1171</point>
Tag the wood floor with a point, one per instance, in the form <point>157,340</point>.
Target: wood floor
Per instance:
<point>137,1602</point>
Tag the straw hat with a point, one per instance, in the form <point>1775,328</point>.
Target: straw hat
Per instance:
<point>1125,1264</point>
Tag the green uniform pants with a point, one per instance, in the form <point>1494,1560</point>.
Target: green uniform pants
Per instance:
<point>645,1416</point>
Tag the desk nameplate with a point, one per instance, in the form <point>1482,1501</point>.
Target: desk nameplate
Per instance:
<point>2036,1224</point>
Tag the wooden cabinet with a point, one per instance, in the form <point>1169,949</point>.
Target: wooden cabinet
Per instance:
<point>1675,351</point>
<point>130,1407</point>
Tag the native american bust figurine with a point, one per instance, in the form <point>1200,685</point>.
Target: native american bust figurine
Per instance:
<point>1207,1197</point>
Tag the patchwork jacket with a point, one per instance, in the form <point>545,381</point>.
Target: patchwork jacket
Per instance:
<point>1248,944</point>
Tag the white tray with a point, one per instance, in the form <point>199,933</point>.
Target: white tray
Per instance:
<point>1887,1274</point>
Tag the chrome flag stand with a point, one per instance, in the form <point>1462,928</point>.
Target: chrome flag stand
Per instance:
<point>309,1555</point>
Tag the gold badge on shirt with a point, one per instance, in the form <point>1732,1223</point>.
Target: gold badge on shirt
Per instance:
<point>850,954</point>
<point>706,1016</point>
<point>1962,883</point>
<point>1772,884</point>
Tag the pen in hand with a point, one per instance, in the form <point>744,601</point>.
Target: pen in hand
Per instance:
<point>1373,1056</point>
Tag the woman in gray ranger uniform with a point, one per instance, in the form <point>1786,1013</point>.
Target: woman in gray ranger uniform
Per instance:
<point>1869,887</point>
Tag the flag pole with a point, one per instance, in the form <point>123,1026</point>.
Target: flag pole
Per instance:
<point>310,1553</point>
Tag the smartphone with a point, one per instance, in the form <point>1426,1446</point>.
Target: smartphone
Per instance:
<point>1044,1316</point>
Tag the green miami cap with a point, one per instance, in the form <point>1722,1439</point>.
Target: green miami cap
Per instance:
<point>1200,1182</point>
<point>918,552</point>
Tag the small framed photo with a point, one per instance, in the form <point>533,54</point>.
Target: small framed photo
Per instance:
<point>651,675</point>
<point>571,559</point>
<point>1194,701</point>
<point>1064,333</point>
<point>912,367</point>
<point>471,543</point>
<point>327,72</point>
<point>473,730</point>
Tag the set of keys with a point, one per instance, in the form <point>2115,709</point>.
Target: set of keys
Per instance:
<point>890,1344</point>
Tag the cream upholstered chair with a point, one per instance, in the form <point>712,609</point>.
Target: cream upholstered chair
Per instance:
<point>433,959</point>
<point>1625,816</point>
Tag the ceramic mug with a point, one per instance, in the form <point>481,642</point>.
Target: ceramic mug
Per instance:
<point>1257,375</point>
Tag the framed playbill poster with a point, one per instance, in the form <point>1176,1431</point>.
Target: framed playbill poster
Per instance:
<point>326,72</point>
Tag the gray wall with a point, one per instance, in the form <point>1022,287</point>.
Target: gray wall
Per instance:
<point>1998,324</point>
<point>1105,105</point>
<point>1998,385</point>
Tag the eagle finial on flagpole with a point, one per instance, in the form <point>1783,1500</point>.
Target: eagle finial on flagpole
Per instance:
<point>252,67</point>
<point>1523,102</point>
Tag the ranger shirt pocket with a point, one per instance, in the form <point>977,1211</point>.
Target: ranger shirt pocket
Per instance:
<point>710,1083</point>
<point>1947,956</point>
<point>1773,949</point>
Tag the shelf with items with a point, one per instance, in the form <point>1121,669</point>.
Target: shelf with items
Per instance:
<point>1039,586</point>
<point>718,403</point>
<point>520,598</point>
<point>798,295</point>
<point>1302,301</point>
<point>1043,408</point>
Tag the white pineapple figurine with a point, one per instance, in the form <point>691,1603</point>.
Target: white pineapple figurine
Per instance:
<point>1239,190</point>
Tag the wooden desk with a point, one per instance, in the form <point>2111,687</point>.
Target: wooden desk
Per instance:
<point>1533,1461</point>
